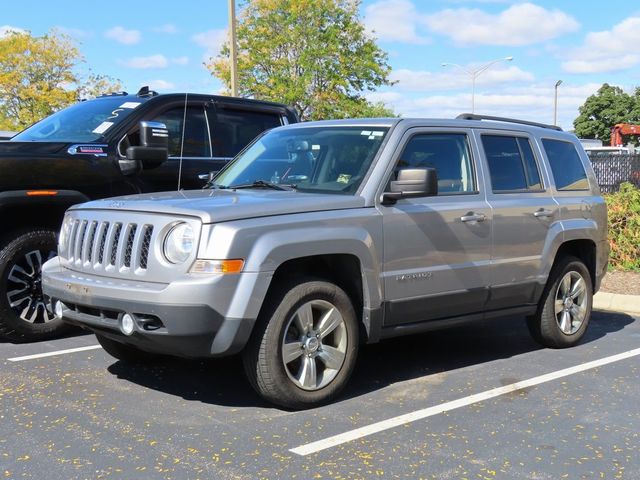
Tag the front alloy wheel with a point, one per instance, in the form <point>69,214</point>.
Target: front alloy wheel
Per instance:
<point>304,345</point>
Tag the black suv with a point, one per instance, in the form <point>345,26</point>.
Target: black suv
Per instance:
<point>117,144</point>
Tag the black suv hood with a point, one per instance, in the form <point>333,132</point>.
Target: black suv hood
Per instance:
<point>31,148</point>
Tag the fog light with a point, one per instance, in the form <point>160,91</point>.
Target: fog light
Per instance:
<point>127,324</point>
<point>57,309</point>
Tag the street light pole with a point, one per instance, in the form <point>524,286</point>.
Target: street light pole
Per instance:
<point>475,73</point>
<point>233,54</point>
<point>555,102</point>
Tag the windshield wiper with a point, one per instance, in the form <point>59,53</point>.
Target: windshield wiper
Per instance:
<point>262,184</point>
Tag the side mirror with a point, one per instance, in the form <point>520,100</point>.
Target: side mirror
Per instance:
<point>411,183</point>
<point>154,145</point>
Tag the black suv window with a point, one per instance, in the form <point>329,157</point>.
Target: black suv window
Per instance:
<point>196,133</point>
<point>448,153</point>
<point>566,165</point>
<point>512,165</point>
<point>232,130</point>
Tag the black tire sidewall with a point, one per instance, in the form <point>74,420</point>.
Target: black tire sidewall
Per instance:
<point>273,383</point>
<point>11,325</point>
<point>549,331</point>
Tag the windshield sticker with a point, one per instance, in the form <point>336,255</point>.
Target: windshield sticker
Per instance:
<point>103,127</point>
<point>343,178</point>
<point>129,104</point>
<point>377,133</point>
<point>366,133</point>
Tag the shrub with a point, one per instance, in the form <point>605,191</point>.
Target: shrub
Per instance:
<point>624,227</point>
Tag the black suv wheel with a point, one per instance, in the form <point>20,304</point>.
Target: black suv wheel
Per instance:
<point>24,313</point>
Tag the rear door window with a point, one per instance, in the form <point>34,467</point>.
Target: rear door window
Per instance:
<point>232,130</point>
<point>566,166</point>
<point>512,164</point>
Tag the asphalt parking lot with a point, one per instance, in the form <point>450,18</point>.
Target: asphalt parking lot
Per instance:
<point>450,404</point>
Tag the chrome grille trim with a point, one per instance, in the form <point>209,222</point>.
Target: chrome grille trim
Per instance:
<point>120,244</point>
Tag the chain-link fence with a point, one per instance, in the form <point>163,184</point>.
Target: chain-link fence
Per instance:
<point>612,169</point>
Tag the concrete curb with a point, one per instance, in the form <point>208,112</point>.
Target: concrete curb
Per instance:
<point>616,302</point>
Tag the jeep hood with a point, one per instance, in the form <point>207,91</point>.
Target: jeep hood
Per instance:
<point>214,206</point>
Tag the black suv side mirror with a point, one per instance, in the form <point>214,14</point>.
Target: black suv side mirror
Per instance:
<point>154,145</point>
<point>411,183</point>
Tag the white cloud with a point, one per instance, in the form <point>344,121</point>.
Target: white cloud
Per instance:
<point>455,78</point>
<point>211,41</point>
<point>122,35</point>
<point>522,24</point>
<point>7,29</point>
<point>152,61</point>
<point>180,60</point>
<point>160,85</point>
<point>606,51</point>
<point>529,102</point>
<point>168,28</point>
<point>394,21</point>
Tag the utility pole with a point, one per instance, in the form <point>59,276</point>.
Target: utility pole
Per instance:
<point>233,54</point>
<point>555,102</point>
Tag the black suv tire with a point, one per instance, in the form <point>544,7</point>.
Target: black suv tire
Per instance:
<point>23,308</point>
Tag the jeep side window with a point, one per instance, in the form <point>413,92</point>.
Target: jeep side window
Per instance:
<point>196,133</point>
<point>566,165</point>
<point>232,130</point>
<point>448,153</point>
<point>512,165</point>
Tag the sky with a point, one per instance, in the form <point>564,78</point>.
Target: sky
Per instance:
<point>582,43</point>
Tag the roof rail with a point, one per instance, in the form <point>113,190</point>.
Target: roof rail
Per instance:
<point>473,116</point>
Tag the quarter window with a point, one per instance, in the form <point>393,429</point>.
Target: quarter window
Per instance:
<point>566,166</point>
<point>449,154</point>
<point>512,165</point>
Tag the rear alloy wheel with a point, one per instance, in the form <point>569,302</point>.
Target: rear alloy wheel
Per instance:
<point>304,345</point>
<point>565,307</point>
<point>24,311</point>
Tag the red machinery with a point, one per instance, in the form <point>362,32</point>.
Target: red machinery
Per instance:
<point>623,129</point>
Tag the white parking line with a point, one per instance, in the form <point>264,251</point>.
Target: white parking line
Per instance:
<point>367,430</point>
<point>52,354</point>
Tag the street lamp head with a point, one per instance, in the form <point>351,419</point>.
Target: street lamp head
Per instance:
<point>558,83</point>
<point>508,59</point>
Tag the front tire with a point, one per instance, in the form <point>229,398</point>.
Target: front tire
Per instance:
<point>24,315</point>
<point>304,346</point>
<point>565,307</point>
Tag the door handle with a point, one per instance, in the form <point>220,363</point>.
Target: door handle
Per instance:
<point>473,217</point>
<point>543,213</point>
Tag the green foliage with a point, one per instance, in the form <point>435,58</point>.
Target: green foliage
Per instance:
<point>312,54</point>
<point>38,76</point>
<point>624,227</point>
<point>601,111</point>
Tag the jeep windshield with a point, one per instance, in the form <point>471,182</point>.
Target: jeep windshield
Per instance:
<point>314,159</point>
<point>83,122</point>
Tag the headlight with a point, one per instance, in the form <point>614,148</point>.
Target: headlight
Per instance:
<point>63,238</point>
<point>178,244</point>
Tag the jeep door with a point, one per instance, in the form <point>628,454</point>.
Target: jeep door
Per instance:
<point>523,212</point>
<point>437,250</point>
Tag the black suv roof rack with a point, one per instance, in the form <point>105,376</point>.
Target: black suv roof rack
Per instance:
<point>473,116</point>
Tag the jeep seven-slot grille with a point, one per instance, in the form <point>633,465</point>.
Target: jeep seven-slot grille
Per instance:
<point>109,244</point>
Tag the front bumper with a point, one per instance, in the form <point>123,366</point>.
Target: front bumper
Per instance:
<point>195,316</point>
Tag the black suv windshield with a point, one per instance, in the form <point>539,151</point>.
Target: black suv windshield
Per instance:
<point>318,159</point>
<point>83,122</point>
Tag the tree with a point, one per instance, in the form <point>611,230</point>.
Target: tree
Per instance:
<point>601,111</point>
<point>312,54</point>
<point>38,77</point>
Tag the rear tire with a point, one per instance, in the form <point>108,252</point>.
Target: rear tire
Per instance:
<point>123,352</point>
<point>565,307</point>
<point>304,345</point>
<point>25,315</point>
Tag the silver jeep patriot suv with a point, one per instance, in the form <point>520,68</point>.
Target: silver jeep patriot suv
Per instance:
<point>321,236</point>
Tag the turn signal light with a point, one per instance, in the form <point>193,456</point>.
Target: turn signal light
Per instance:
<point>218,266</point>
